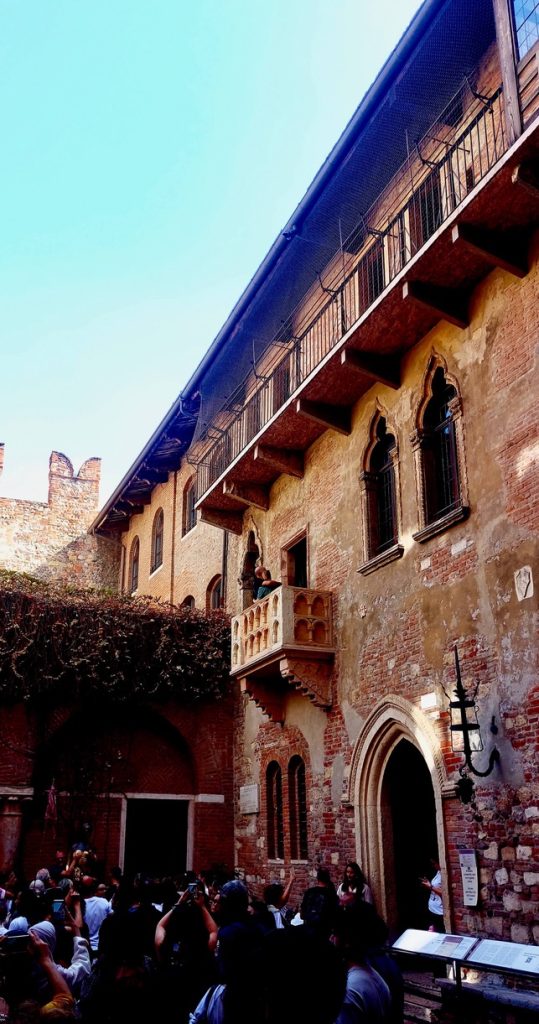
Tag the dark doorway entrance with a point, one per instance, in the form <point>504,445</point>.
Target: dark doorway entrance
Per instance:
<point>156,837</point>
<point>296,564</point>
<point>249,584</point>
<point>408,816</point>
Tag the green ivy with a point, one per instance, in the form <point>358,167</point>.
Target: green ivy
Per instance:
<point>77,645</point>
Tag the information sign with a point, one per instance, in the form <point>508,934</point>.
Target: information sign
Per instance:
<point>513,955</point>
<point>468,870</point>
<point>452,947</point>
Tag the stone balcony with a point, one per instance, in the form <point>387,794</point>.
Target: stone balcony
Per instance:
<point>285,641</point>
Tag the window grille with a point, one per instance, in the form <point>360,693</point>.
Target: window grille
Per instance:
<point>274,805</point>
<point>157,540</point>
<point>297,799</point>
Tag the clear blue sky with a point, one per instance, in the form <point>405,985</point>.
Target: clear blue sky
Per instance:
<point>152,151</point>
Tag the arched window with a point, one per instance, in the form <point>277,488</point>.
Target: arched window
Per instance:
<point>189,514</point>
<point>440,467</point>
<point>439,452</point>
<point>214,594</point>
<point>134,560</point>
<point>297,807</point>
<point>157,540</point>
<point>274,805</point>
<point>188,602</point>
<point>379,483</point>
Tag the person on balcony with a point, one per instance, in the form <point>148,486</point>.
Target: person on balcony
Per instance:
<point>267,584</point>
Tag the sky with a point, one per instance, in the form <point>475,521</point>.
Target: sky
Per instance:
<point>153,150</point>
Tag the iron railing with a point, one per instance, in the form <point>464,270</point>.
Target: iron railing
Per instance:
<point>436,177</point>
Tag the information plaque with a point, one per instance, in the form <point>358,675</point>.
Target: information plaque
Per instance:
<point>507,955</point>
<point>451,947</point>
<point>249,799</point>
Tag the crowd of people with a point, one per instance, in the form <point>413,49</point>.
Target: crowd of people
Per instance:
<point>74,946</point>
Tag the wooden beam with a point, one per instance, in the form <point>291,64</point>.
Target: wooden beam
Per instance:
<point>505,38</point>
<point>383,369</point>
<point>526,175</point>
<point>140,497</point>
<point>283,460</point>
<point>248,494</point>
<point>443,302</point>
<point>128,508</point>
<point>333,417</point>
<point>223,519</point>
<point>493,247</point>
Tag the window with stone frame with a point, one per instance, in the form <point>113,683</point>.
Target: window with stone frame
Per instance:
<point>188,602</point>
<point>274,811</point>
<point>189,519</point>
<point>157,540</point>
<point>379,493</point>
<point>134,561</point>
<point>438,445</point>
<point>297,808</point>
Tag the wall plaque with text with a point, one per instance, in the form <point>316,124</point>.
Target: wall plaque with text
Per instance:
<point>250,799</point>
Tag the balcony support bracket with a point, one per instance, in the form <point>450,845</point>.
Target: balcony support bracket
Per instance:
<point>223,519</point>
<point>281,459</point>
<point>493,247</point>
<point>247,494</point>
<point>445,303</point>
<point>333,417</point>
<point>311,678</point>
<point>385,370</point>
<point>270,701</point>
<point>526,175</point>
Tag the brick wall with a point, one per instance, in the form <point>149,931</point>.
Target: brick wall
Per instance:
<point>396,627</point>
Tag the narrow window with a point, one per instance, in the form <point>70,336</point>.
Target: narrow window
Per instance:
<point>297,799</point>
<point>134,565</point>
<point>274,805</point>
<point>188,602</point>
<point>157,540</point>
<point>380,489</point>
<point>189,513</point>
<point>440,465</point>
<point>214,594</point>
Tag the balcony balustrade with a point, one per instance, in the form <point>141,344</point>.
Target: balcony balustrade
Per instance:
<point>415,206</point>
<point>285,640</point>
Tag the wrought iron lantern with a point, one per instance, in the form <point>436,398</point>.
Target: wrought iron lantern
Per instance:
<point>466,735</point>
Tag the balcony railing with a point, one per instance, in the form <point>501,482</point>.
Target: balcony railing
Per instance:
<point>290,620</point>
<point>428,188</point>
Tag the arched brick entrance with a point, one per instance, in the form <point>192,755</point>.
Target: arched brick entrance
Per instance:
<point>375,762</point>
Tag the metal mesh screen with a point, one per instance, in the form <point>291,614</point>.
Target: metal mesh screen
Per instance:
<point>420,117</point>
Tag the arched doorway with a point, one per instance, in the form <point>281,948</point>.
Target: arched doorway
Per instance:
<point>408,823</point>
<point>397,782</point>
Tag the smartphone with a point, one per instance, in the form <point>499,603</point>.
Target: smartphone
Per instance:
<point>14,944</point>
<point>192,888</point>
<point>58,910</point>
